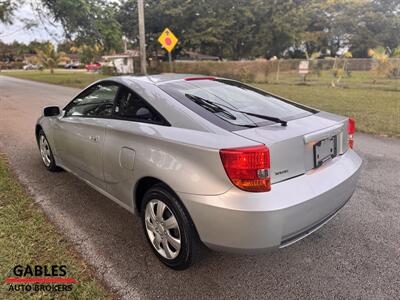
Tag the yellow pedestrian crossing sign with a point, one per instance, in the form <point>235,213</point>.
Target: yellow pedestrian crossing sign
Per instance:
<point>168,40</point>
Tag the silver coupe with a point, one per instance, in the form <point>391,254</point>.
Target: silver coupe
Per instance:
<point>205,160</point>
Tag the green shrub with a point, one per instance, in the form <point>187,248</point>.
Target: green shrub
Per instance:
<point>108,70</point>
<point>11,65</point>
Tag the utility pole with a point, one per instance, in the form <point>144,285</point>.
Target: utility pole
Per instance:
<point>124,39</point>
<point>142,41</point>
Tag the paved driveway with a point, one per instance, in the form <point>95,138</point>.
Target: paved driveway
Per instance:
<point>357,255</point>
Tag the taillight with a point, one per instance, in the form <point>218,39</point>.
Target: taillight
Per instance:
<point>248,168</point>
<point>351,129</point>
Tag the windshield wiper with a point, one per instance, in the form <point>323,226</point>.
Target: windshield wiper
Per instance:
<point>198,99</point>
<point>273,119</point>
<point>210,106</point>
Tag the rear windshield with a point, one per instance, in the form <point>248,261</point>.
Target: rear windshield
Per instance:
<point>225,98</point>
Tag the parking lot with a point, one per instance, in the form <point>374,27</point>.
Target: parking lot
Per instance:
<point>356,255</point>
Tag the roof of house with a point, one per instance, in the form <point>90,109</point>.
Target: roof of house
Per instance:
<point>126,54</point>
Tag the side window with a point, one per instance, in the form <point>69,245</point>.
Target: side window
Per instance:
<point>131,106</point>
<point>98,101</point>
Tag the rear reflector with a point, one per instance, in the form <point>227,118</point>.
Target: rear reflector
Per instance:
<point>351,129</point>
<point>199,78</point>
<point>248,168</point>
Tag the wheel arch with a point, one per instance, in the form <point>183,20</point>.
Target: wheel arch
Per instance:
<point>146,183</point>
<point>143,185</point>
<point>38,128</point>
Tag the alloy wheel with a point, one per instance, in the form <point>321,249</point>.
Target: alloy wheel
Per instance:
<point>162,229</point>
<point>45,151</point>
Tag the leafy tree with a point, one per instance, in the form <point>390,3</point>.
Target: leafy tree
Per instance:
<point>395,64</point>
<point>8,52</point>
<point>89,54</point>
<point>89,22</point>
<point>12,51</point>
<point>34,46</point>
<point>369,24</point>
<point>396,52</point>
<point>7,8</point>
<point>234,29</point>
<point>382,65</point>
<point>340,71</point>
<point>67,46</point>
<point>49,57</point>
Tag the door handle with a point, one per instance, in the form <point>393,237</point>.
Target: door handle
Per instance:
<point>94,138</point>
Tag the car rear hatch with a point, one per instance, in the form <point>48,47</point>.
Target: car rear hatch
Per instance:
<point>299,138</point>
<point>304,144</point>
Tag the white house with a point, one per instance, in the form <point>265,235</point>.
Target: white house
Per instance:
<point>123,63</point>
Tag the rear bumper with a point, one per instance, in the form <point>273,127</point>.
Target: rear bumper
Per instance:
<point>239,221</point>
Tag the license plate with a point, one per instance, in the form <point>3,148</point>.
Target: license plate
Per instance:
<point>325,150</point>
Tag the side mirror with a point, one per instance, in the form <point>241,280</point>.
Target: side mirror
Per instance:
<point>51,111</point>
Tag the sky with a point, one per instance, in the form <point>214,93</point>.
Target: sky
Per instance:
<point>16,32</point>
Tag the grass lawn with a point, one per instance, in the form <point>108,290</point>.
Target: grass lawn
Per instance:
<point>27,238</point>
<point>357,80</point>
<point>376,107</point>
<point>78,79</point>
<point>375,111</point>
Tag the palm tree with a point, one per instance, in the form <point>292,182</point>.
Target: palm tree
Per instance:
<point>382,66</point>
<point>396,52</point>
<point>339,72</point>
<point>88,54</point>
<point>49,57</point>
<point>395,72</point>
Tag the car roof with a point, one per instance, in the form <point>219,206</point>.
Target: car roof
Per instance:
<point>161,78</point>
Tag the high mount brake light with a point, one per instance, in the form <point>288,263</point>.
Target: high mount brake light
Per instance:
<point>351,129</point>
<point>199,78</point>
<point>248,168</point>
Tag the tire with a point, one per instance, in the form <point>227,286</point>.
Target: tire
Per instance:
<point>46,153</point>
<point>190,244</point>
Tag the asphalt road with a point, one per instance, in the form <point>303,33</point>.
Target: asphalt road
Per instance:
<point>356,255</point>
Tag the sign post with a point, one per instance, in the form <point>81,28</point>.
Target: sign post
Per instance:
<point>304,68</point>
<point>168,40</point>
<point>171,69</point>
